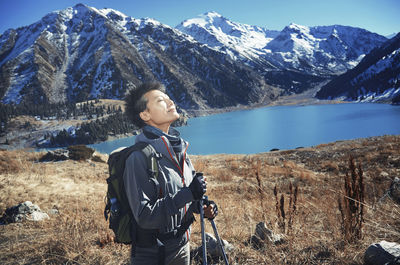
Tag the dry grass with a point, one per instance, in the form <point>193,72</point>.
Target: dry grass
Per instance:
<point>241,185</point>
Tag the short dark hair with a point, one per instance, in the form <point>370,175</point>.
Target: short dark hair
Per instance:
<point>135,102</point>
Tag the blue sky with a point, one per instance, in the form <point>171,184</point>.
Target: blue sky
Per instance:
<point>380,16</point>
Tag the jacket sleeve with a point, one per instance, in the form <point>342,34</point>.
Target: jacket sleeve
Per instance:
<point>150,211</point>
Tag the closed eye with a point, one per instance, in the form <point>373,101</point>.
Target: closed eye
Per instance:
<point>163,99</point>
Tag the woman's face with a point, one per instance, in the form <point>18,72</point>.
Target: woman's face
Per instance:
<point>160,111</point>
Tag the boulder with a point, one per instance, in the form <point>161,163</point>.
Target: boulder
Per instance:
<point>214,253</point>
<point>23,211</point>
<point>213,248</point>
<point>382,253</point>
<point>263,234</point>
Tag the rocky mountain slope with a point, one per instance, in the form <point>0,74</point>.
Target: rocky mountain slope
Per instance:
<point>375,78</point>
<point>83,53</point>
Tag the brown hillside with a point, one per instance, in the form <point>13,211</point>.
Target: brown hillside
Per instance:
<point>242,186</point>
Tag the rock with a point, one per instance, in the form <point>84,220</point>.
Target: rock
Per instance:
<point>55,155</point>
<point>382,253</point>
<point>37,216</point>
<point>53,211</point>
<point>394,191</point>
<point>23,211</point>
<point>213,248</point>
<point>384,174</point>
<point>263,233</point>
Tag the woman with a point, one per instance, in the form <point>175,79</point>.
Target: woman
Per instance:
<point>163,212</point>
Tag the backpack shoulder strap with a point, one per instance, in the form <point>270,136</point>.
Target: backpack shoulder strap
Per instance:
<point>117,158</point>
<point>152,166</point>
<point>151,155</point>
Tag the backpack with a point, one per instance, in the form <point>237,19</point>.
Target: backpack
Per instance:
<point>117,210</point>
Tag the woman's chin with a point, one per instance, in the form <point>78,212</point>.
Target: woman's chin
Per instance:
<point>176,115</point>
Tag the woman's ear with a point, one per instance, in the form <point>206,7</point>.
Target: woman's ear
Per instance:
<point>144,115</point>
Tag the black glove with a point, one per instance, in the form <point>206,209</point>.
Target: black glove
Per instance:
<point>198,186</point>
<point>214,205</point>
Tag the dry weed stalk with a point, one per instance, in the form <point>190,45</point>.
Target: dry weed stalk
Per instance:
<point>351,206</point>
<point>292,205</point>
<point>260,188</point>
<point>291,210</point>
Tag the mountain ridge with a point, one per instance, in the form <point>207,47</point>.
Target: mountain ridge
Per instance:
<point>82,53</point>
<point>116,55</point>
<point>296,47</point>
<point>375,78</point>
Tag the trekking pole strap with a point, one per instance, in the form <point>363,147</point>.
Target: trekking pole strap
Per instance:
<point>161,252</point>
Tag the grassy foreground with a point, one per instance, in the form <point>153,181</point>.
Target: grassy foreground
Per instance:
<point>242,186</point>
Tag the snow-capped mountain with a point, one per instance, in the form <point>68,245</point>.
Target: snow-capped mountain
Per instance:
<point>375,78</point>
<point>237,40</point>
<point>82,53</point>
<point>323,50</point>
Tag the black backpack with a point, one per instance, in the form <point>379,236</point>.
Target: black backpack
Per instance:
<point>117,209</point>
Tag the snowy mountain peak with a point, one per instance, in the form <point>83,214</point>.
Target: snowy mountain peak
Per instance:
<point>212,14</point>
<point>82,52</point>
<point>113,14</point>
<point>297,28</point>
<point>375,78</point>
<point>214,21</point>
<point>203,20</point>
<point>78,10</point>
<point>319,50</point>
<point>233,38</point>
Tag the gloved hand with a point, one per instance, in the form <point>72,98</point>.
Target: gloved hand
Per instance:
<point>198,186</point>
<point>211,209</point>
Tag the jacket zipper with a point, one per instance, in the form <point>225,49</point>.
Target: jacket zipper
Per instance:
<point>175,160</point>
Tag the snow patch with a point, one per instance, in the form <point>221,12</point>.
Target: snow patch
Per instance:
<point>374,97</point>
<point>102,79</point>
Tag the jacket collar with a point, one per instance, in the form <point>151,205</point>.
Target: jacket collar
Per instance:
<point>162,144</point>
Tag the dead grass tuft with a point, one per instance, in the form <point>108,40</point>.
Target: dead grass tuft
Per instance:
<point>351,207</point>
<point>14,161</point>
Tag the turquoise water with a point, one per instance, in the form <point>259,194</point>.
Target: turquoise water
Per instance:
<point>282,127</point>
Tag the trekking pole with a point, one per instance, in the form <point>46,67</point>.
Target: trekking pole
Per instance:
<point>219,241</point>
<point>203,233</point>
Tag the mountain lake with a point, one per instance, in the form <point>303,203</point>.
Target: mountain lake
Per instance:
<point>282,127</point>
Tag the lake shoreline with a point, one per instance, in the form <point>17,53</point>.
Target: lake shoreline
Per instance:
<point>292,100</point>
<point>29,137</point>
